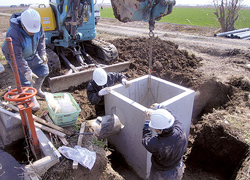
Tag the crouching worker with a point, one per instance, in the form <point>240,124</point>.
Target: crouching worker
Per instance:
<point>100,86</point>
<point>30,50</point>
<point>167,146</point>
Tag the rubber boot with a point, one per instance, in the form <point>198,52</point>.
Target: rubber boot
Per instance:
<point>35,102</point>
<point>36,106</point>
<point>38,85</point>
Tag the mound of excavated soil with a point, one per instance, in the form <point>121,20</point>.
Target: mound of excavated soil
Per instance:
<point>168,62</point>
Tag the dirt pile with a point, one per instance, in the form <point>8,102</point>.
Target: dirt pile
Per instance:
<point>168,62</point>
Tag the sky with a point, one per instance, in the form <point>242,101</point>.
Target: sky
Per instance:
<point>178,2</point>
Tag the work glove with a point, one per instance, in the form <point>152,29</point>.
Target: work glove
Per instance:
<point>126,83</point>
<point>155,106</point>
<point>44,58</point>
<point>147,115</point>
<point>104,91</point>
<point>30,76</point>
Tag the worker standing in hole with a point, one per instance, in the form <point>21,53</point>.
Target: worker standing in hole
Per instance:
<point>100,86</point>
<point>30,50</point>
<point>167,146</point>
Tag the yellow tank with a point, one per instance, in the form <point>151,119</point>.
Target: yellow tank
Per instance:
<point>48,20</point>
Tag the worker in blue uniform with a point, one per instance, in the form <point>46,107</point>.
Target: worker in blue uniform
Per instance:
<point>167,146</point>
<point>29,49</point>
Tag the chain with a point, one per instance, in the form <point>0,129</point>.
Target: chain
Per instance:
<point>151,36</point>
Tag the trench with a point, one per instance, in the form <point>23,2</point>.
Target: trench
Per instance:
<point>214,151</point>
<point>18,151</point>
<point>119,164</point>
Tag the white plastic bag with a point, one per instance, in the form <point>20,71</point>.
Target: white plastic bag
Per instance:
<point>55,106</point>
<point>66,104</point>
<point>83,156</point>
<point>63,105</point>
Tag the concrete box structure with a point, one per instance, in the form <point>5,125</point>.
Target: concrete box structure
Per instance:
<point>130,103</point>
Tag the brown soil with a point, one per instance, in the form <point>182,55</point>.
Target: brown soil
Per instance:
<point>189,56</point>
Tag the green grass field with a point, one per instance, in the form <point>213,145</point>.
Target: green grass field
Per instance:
<point>193,16</point>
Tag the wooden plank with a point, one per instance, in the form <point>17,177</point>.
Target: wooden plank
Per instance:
<point>45,114</point>
<point>40,120</point>
<point>58,133</point>
<point>35,123</point>
<point>79,143</point>
<point>64,141</point>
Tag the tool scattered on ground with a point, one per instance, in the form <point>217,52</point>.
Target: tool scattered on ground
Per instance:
<point>86,133</point>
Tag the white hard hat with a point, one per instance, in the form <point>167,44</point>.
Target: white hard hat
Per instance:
<point>161,119</point>
<point>100,76</point>
<point>31,20</point>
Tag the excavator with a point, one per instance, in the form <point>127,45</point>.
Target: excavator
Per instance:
<point>70,32</point>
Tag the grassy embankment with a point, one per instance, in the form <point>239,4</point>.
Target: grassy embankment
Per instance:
<point>193,16</point>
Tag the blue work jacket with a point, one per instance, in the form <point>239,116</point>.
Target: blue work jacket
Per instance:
<point>26,48</point>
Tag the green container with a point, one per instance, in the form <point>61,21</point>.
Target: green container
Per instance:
<point>64,119</point>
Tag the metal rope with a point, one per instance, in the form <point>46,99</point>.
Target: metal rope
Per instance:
<point>151,36</point>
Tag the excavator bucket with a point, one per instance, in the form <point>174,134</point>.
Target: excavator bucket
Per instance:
<point>134,10</point>
<point>64,82</point>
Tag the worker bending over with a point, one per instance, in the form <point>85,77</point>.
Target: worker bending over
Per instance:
<point>167,146</point>
<point>30,50</point>
<point>100,86</point>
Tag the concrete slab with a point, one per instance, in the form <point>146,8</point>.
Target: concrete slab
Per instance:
<point>10,129</point>
<point>130,103</point>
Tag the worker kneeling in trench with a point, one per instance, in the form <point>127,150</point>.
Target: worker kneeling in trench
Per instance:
<point>167,146</point>
<point>100,86</point>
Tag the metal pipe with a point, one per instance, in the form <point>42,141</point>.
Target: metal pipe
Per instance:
<point>243,35</point>
<point>247,38</point>
<point>231,32</point>
<point>13,63</point>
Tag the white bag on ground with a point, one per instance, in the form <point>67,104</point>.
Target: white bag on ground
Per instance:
<point>83,156</point>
